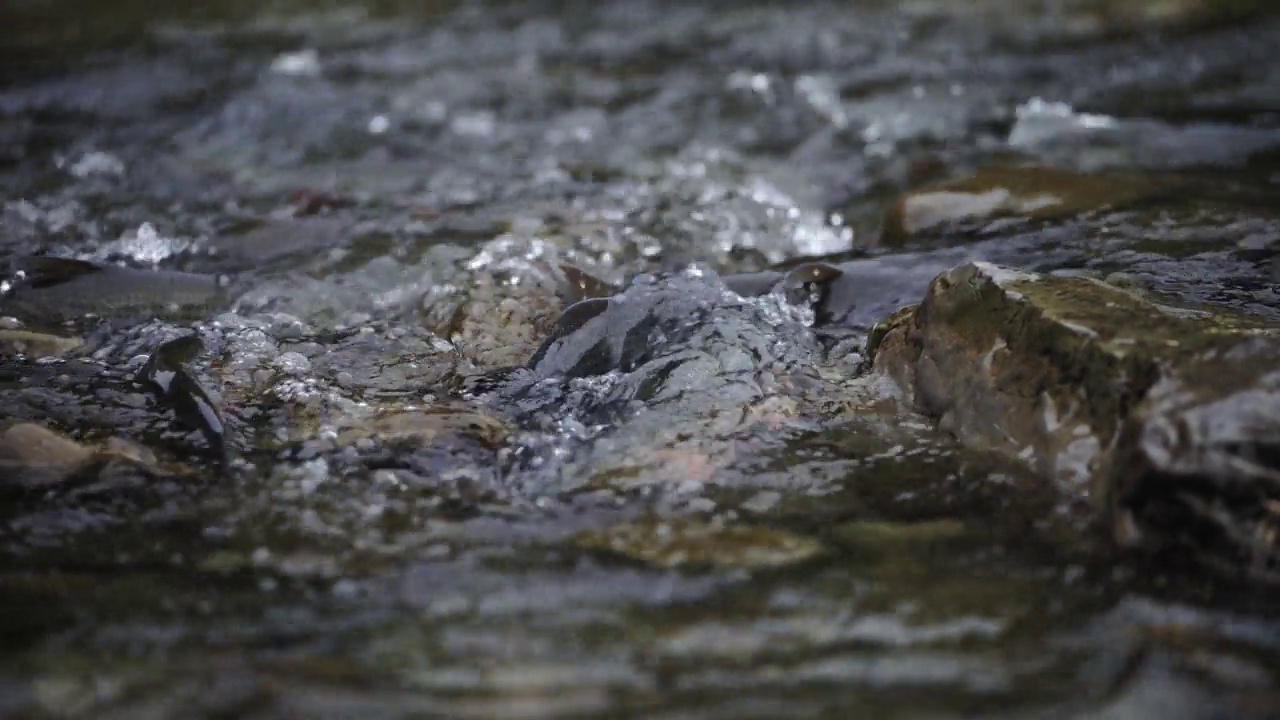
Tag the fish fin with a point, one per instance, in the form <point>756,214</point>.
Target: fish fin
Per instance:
<point>573,318</point>
<point>578,314</point>
<point>582,285</point>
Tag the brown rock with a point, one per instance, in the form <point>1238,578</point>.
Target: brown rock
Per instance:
<point>694,543</point>
<point>429,425</point>
<point>1165,419</point>
<point>1032,193</point>
<point>35,456</point>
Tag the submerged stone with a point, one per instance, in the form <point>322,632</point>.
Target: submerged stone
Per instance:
<point>694,543</point>
<point>1030,193</point>
<point>598,336</point>
<point>508,299</point>
<point>879,537</point>
<point>428,426</point>
<point>34,457</point>
<point>683,342</point>
<point>1164,418</point>
<point>669,385</point>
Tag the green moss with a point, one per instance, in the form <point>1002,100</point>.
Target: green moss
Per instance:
<point>886,326</point>
<point>1069,337</point>
<point>878,540</point>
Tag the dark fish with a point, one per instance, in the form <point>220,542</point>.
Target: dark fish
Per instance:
<point>761,283</point>
<point>808,284</point>
<point>173,384</point>
<point>55,290</point>
<point>814,272</point>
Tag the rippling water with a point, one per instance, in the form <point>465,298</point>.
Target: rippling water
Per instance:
<point>706,550</point>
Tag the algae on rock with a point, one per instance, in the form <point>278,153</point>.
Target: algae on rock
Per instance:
<point>692,543</point>
<point>1164,418</point>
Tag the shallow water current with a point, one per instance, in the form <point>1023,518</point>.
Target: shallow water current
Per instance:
<point>732,518</point>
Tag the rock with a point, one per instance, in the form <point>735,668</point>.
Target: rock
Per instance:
<point>1138,14</point>
<point>664,380</point>
<point>1080,21</point>
<point>33,456</point>
<point>428,426</point>
<point>873,537</point>
<point>372,362</point>
<point>494,329</point>
<point>1033,193</point>
<point>1165,419</point>
<point>507,304</point>
<point>120,449</point>
<point>693,543</point>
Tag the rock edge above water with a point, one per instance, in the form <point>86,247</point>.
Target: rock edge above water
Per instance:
<point>1166,420</point>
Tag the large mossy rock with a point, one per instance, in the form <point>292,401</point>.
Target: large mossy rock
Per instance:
<point>1167,420</point>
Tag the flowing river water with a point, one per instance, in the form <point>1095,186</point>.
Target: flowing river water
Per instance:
<point>732,517</point>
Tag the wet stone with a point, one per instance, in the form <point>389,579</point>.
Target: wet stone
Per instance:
<point>657,318</point>
<point>1023,193</point>
<point>33,457</point>
<point>680,365</point>
<point>694,544</point>
<point>412,363</point>
<point>508,303</point>
<point>428,426</point>
<point>900,546</point>
<point>1154,414</point>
